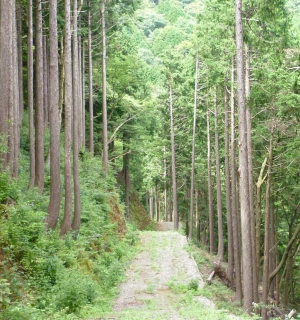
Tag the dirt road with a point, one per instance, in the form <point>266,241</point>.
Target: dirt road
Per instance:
<point>159,282</point>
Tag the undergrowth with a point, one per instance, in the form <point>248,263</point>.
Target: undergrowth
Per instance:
<point>44,276</point>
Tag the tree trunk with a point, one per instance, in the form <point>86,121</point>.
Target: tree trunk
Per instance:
<point>80,109</point>
<point>91,111</point>
<point>228,187</point>
<point>250,173</point>
<point>83,95</point>
<point>198,226</point>
<point>193,151</point>
<point>234,197</point>
<point>46,79</point>
<point>104,99</point>
<point>265,283</point>
<point>76,140</point>
<point>151,204</point>
<point>5,36</point>
<point>243,167</point>
<point>219,191</point>
<point>66,223</point>
<point>19,17</point>
<point>165,186</point>
<point>126,176</point>
<point>174,182</point>
<point>90,81</point>
<point>61,80</point>
<point>30,93</point>
<point>210,191</point>
<point>55,193</point>
<point>259,183</point>
<point>157,203</point>
<point>39,100</point>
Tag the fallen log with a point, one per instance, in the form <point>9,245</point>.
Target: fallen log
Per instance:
<point>208,281</point>
<point>219,271</point>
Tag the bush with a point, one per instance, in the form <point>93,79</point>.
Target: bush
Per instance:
<point>74,290</point>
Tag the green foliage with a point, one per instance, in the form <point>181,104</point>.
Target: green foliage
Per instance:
<point>5,294</point>
<point>74,290</point>
<point>7,187</point>
<point>171,9</point>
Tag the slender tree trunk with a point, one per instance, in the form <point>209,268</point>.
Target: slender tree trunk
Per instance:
<point>151,204</point>
<point>76,140</point>
<point>91,111</point>
<point>104,99</point>
<point>174,182</point>
<point>126,176</point>
<point>30,92</point>
<point>80,116</point>
<point>198,226</point>
<point>83,95</point>
<point>219,191</point>
<point>210,191</point>
<point>61,79</point>
<point>243,167</point>
<point>10,95</point>
<point>55,193</point>
<point>259,183</point>
<point>157,203</point>
<point>250,172</point>
<point>193,151</point>
<point>265,282</point>
<point>165,186</point>
<point>5,36</point>
<point>234,196</point>
<point>66,223</point>
<point>46,79</point>
<point>228,186</point>
<point>39,110</point>
<point>19,17</point>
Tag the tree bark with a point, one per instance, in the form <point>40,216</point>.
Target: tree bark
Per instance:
<point>219,191</point>
<point>157,203</point>
<point>19,17</point>
<point>5,36</point>
<point>104,98</point>
<point>151,204</point>
<point>39,100</point>
<point>234,197</point>
<point>193,151</point>
<point>259,183</point>
<point>210,191</point>
<point>66,223</point>
<point>265,283</point>
<point>228,187</point>
<point>55,193</point>
<point>46,79</point>
<point>14,103</point>
<point>126,176</point>
<point>243,167</point>
<point>165,186</point>
<point>76,140</point>
<point>61,80</point>
<point>250,172</point>
<point>30,93</point>
<point>91,110</point>
<point>83,96</point>
<point>174,181</point>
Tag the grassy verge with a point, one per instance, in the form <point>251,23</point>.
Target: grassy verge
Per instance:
<point>45,276</point>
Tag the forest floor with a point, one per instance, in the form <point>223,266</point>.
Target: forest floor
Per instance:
<point>163,282</point>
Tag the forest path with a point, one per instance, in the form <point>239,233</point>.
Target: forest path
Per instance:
<point>158,282</point>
